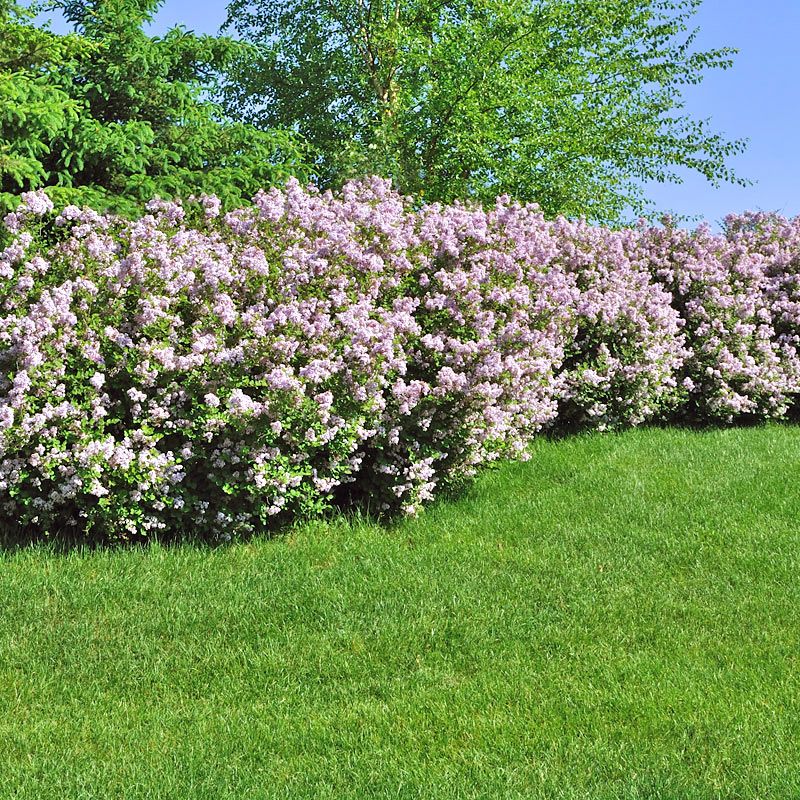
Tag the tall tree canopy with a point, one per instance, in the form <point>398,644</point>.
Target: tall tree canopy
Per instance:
<point>571,103</point>
<point>110,116</point>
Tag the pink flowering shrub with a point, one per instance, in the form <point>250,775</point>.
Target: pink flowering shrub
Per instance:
<point>193,373</point>
<point>207,378</point>
<point>722,289</point>
<point>777,240</point>
<point>490,323</point>
<point>624,358</point>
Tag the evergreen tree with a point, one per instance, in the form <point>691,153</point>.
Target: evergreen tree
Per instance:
<point>110,116</point>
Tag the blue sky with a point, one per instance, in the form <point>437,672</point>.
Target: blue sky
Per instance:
<point>758,99</point>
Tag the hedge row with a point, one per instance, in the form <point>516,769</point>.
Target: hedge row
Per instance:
<point>205,374</point>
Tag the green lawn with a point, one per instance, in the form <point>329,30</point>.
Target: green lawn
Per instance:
<point>619,618</point>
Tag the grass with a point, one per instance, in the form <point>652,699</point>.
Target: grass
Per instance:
<point>619,618</point>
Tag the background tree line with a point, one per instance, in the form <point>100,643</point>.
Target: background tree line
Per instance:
<point>573,104</point>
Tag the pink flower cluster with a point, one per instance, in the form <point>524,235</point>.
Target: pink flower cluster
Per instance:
<point>735,294</point>
<point>623,363</point>
<point>209,374</point>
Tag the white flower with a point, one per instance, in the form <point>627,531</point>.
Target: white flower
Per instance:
<point>97,489</point>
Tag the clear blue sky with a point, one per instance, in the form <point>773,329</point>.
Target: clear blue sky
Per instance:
<point>758,98</point>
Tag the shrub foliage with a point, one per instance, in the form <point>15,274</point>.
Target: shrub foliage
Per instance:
<point>209,374</point>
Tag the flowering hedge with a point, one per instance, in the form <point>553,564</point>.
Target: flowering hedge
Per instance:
<point>198,373</point>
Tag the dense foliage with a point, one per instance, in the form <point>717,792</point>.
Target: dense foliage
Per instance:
<point>568,103</point>
<point>573,104</point>
<point>110,117</point>
<point>202,372</point>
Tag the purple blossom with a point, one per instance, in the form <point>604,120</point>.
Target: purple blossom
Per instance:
<point>360,345</point>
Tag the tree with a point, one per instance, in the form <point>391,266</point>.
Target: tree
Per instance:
<point>111,117</point>
<point>571,103</point>
<point>33,109</point>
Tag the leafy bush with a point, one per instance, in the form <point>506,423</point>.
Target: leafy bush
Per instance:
<point>722,290</point>
<point>208,378</point>
<point>207,374</point>
<point>624,360</point>
<point>777,240</point>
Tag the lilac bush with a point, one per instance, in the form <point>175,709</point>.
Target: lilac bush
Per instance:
<point>208,374</point>
<point>214,377</point>
<point>777,241</point>
<point>624,360</point>
<point>490,323</point>
<point>737,366</point>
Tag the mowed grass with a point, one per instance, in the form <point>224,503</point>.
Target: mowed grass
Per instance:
<point>619,618</point>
